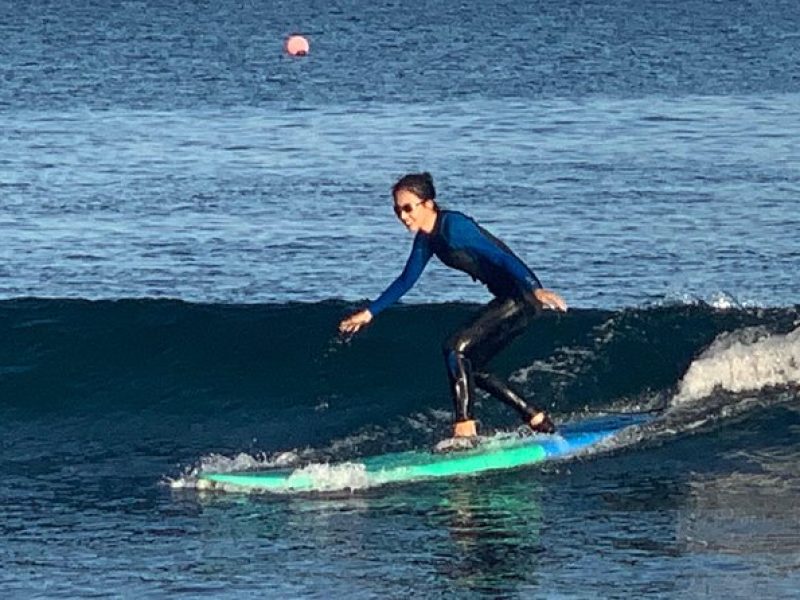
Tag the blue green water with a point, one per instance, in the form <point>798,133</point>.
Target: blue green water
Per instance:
<point>186,213</point>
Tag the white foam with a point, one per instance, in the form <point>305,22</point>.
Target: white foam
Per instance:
<point>329,478</point>
<point>218,463</point>
<point>722,301</point>
<point>748,359</point>
<point>718,300</point>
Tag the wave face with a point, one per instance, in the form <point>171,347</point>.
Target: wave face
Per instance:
<point>281,367</point>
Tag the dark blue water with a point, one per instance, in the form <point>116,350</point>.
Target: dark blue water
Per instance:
<point>186,213</point>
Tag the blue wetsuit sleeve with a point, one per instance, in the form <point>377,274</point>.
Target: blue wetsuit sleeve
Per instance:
<point>471,236</point>
<point>421,253</point>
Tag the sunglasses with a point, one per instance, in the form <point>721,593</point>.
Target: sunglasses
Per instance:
<point>406,208</point>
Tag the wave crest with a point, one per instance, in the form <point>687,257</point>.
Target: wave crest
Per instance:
<point>743,360</point>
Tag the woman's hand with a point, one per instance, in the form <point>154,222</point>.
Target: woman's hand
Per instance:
<point>549,299</point>
<point>355,322</point>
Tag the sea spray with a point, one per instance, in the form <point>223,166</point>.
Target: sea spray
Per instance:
<point>747,359</point>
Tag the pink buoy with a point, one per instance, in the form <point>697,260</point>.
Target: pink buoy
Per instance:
<point>297,45</point>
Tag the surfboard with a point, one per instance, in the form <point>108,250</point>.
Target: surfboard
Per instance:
<point>493,453</point>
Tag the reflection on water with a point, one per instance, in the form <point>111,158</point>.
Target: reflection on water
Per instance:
<point>465,535</point>
<point>494,533</point>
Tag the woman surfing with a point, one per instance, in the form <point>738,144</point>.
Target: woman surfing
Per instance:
<point>459,242</point>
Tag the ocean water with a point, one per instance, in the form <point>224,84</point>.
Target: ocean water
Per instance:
<point>186,213</point>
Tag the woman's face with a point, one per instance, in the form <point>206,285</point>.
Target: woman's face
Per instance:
<point>413,211</point>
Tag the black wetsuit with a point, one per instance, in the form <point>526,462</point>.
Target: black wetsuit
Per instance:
<point>460,243</point>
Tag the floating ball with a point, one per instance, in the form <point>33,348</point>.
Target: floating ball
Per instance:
<point>297,45</point>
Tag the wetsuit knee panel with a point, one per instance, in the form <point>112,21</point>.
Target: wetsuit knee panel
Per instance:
<point>456,344</point>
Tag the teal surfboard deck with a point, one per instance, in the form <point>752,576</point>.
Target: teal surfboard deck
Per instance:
<point>495,453</point>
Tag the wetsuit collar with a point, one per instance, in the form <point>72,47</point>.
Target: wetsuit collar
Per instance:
<point>436,224</point>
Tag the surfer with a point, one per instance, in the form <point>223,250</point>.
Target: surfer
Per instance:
<point>459,242</point>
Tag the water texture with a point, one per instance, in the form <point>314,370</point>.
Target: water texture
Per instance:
<point>186,213</point>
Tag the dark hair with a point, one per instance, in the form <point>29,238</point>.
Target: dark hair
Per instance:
<point>419,184</point>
